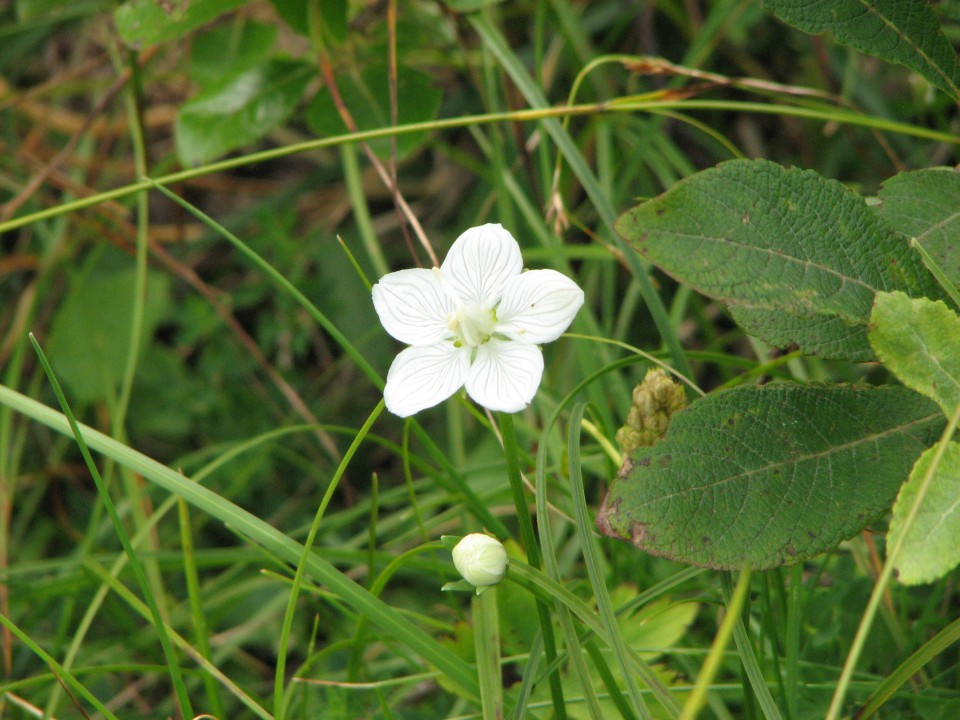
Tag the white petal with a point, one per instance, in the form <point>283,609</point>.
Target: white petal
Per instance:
<point>538,306</point>
<point>480,262</point>
<point>421,377</point>
<point>505,375</point>
<point>413,307</point>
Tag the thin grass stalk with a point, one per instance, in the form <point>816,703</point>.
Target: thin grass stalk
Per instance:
<point>792,644</point>
<point>59,672</point>
<point>141,608</point>
<point>711,665</point>
<point>197,615</point>
<point>183,699</point>
<point>607,677</point>
<point>618,105</point>
<point>279,706</point>
<point>893,554</point>
<point>597,582</point>
<point>748,658</point>
<point>532,547</point>
<point>361,210</point>
<point>908,669</point>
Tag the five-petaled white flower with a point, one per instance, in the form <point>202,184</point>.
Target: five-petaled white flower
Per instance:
<point>476,321</point>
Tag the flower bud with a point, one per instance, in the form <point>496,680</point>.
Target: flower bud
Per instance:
<point>480,559</point>
<point>654,401</point>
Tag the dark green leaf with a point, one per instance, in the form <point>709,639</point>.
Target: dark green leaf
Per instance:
<point>242,109</point>
<point>919,342</point>
<point>368,101</point>
<point>797,257</point>
<point>229,50</point>
<point>932,543</point>
<point>91,332</point>
<point>901,31</point>
<point>147,22</point>
<point>925,204</point>
<point>770,475</point>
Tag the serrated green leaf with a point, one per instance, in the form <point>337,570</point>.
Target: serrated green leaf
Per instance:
<point>142,23</point>
<point>925,204</point>
<point>91,331</point>
<point>906,32</point>
<point>931,547</point>
<point>919,342</point>
<point>229,49</point>
<point>769,475</point>
<point>797,257</point>
<point>244,108</point>
<point>369,104</point>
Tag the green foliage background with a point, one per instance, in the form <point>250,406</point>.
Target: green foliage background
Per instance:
<point>179,345</point>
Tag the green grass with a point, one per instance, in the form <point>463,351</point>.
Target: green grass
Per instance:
<point>236,527</point>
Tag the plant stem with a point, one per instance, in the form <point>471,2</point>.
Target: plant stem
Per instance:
<point>486,633</point>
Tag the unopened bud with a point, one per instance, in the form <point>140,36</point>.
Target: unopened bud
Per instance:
<point>654,401</point>
<point>480,559</point>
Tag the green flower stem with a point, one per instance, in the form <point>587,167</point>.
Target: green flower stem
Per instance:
<point>532,548</point>
<point>893,553</point>
<point>486,638</point>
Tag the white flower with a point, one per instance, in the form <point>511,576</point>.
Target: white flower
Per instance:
<point>475,321</point>
<point>480,559</point>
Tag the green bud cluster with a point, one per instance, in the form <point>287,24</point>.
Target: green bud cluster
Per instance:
<point>654,401</point>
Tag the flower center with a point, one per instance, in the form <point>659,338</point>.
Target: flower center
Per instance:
<point>472,324</point>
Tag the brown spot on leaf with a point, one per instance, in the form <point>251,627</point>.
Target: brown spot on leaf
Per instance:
<point>638,534</point>
<point>625,469</point>
<point>665,461</point>
<point>603,517</point>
